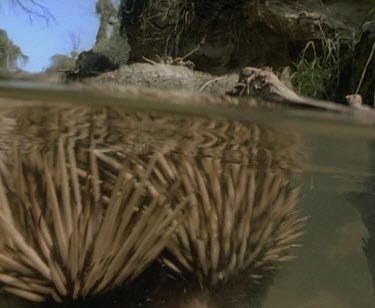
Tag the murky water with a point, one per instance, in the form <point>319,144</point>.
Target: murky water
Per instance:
<point>122,202</point>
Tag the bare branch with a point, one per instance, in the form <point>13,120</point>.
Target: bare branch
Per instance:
<point>34,9</point>
<point>75,40</point>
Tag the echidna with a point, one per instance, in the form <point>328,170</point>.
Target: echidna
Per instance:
<point>238,219</point>
<point>91,196</point>
<point>70,225</point>
<point>241,214</point>
<point>241,220</point>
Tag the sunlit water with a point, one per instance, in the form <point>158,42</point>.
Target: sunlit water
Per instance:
<point>246,152</point>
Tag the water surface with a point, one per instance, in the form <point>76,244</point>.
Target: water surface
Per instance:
<point>229,175</point>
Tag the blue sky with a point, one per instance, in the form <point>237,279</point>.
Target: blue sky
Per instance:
<point>39,40</point>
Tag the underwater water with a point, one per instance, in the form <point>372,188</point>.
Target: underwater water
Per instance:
<point>113,201</point>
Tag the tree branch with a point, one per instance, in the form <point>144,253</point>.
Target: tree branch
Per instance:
<point>34,9</point>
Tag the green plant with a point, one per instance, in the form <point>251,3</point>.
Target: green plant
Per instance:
<point>371,14</point>
<point>61,62</point>
<point>10,54</point>
<point>116,47</point>
<point>317,71</point>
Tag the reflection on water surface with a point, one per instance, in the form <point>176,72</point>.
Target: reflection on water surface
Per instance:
<point>112,206</point>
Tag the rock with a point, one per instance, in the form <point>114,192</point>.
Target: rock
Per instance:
<point>168,77</point>
<point>262,82</point>
<point>179,85</point>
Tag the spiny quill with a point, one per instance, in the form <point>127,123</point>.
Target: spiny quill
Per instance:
<point>238,219</point>
<point>62,237</point>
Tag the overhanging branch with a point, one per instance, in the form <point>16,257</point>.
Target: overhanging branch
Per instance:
<point>34,9</point>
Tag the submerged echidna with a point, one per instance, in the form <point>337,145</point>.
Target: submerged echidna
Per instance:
<point>61,239</point>
<point>240,222</point>
<point>241,214</point>
<point>91,196</point>
<point>237,219</point>
<point>71,227</point>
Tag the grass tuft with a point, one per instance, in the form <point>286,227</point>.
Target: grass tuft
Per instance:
<point>316,73</point>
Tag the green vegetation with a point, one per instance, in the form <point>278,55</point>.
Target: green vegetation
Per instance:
<point>109,41</point>
<point>10,54</point>
<point>316,73</point>
<point>61,62</point>
<point>115,47</point>
<point>317,70</point>
<point>371,15</point>
<point>106,11</point>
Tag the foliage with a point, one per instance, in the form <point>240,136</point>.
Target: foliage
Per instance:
<point>10,54</point>
<point>109,41</point>
<point>106,11</point>
<point>116,48</point>
<point>66,62</point>
<point>371,15</point>
<point>317,71</point>
<point>61,62</point>
<point>105,8</point>
<point>372,11</point>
